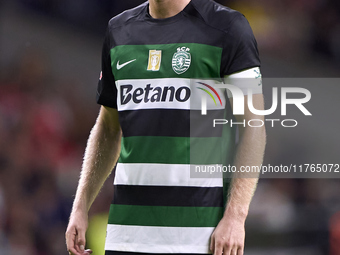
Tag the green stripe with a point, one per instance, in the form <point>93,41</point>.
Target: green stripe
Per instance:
<point>167,216</point>
<point>174,150</point>
<point>155,149</point>
<point>205,61</point>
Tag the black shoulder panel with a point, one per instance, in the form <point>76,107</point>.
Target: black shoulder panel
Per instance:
<point>127,16</point>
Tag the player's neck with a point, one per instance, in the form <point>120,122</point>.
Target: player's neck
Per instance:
<point>161,9</point>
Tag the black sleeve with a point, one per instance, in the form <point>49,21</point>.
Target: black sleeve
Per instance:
<point>240,51</point>
<point>106,90</point>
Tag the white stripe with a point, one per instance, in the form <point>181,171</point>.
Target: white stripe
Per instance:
<point>125,97</point>
<point>161,175</point>
<point>158,239</point>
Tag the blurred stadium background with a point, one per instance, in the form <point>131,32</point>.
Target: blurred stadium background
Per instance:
<point>49,66</point>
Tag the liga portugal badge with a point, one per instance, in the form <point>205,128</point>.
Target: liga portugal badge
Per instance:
<point>181,60</point>
<point>155,57</point>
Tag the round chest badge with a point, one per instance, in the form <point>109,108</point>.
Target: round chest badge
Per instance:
<point>181,60</point>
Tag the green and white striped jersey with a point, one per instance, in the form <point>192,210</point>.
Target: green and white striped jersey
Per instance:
<point>154,72</point>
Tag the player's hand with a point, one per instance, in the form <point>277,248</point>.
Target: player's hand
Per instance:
<point>228,237</point>
<point>75,234</point>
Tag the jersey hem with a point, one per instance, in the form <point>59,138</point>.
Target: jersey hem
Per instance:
<point>148,248</point>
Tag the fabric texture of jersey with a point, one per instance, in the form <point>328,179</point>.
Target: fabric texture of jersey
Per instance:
<point>155,73</point>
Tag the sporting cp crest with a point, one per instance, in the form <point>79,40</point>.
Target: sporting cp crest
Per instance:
<point>181,60</point>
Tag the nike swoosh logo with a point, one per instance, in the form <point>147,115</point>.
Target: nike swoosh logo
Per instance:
<point>124,64</point>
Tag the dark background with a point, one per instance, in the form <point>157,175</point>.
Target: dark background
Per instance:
<point>49,66</point>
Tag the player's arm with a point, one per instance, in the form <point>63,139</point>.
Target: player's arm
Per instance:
<point>101,154</point>
<point>229,235</point>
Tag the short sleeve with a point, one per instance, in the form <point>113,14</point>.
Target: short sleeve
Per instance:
<point>241,47</point>
<point>106,90</point>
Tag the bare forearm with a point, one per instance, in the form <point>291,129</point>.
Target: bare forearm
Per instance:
<point>101,154</point>
<point>228,237</point>
<point>249,153</point>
